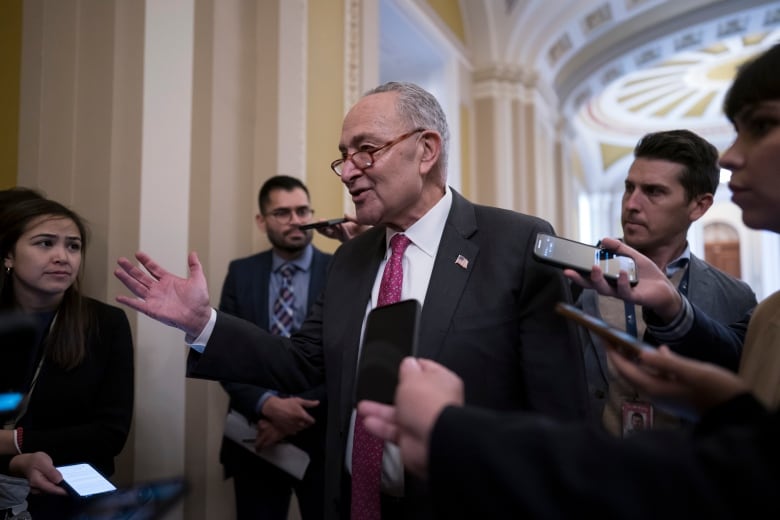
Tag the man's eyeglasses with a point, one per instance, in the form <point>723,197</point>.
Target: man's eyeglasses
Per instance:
<point>363,159</point>
<point>285,215</point>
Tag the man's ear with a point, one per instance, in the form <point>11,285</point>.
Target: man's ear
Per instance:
<point>431,142</point>
<point>260,222</point>
<point>699,206</point>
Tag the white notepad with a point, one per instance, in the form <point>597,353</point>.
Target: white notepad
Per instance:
<point>283,455</point>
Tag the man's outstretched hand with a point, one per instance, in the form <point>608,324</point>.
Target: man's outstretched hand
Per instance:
<point>178,302</point>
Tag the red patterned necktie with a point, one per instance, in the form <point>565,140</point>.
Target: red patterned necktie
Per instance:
<point>367,449</point>
<point>282,319</point>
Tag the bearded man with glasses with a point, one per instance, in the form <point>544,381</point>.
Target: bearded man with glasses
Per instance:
<point>253,290</point>
<point>487,307</point>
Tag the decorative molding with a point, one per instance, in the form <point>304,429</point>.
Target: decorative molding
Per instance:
<point>772,17</point>
<point>734,26</point>
<point>597,18</point>
<point>561,46</point>
<point>353,20</point>
<point>691,39</point>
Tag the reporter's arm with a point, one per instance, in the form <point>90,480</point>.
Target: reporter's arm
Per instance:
<point>486,464</point>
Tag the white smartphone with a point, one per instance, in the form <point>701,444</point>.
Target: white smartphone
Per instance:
<point>82,480</point>
<point>581,257</point>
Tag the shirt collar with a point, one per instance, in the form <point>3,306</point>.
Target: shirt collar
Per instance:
<point>680,262</point>
<point>303,262</point>
<point>427,231</point>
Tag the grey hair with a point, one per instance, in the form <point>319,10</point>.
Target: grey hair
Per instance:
<point>420,108</point>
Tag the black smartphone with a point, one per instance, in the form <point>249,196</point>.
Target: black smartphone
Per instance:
<point>390,335</point>
<point>629,346</point>
<point>581,257</point>
<point>323,223</point>
<point>82,480</point>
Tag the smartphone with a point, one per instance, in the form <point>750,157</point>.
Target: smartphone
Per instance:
<point>390,335</point>
<point>82,480</point>
<point>626,344</point>
<point>570,254</point>
<point>323,223</point>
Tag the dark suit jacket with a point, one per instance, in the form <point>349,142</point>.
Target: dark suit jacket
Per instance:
<point>717,298</point>
<point>484,464</point>
<point>245,295</point>
<point>84,414</point>
<point>492,322</point>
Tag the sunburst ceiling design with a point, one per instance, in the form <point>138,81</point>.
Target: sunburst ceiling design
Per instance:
<point>683,91</point>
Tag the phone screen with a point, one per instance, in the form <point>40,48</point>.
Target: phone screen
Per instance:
<point>390,335</point>
<point>83,480</point>
<point>581,257</point>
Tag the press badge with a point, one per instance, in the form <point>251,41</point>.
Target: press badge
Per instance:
<point>636,416</point>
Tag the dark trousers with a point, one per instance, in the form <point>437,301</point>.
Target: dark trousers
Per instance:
<point>266,496</point>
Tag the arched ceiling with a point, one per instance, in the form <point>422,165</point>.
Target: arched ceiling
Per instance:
<point>621,68</point>
<point>617,69</point>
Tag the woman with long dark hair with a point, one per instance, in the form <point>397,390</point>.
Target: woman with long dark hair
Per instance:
<point>79,395</point>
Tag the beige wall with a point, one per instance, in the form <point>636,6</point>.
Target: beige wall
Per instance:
<point>10,58</point>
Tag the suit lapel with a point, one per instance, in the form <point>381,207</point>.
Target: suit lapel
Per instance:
<point>455,260</point>
<point>318,271</point>
<point>363,268</point>
<point>698,279</point>
<point>260,280</point>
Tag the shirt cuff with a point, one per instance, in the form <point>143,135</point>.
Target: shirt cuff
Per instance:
<point>263,398</point>
<point>677,328</point>
<point>199,343</point>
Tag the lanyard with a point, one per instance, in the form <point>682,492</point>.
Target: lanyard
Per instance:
<point>11,423</point>
<point>631,327</point>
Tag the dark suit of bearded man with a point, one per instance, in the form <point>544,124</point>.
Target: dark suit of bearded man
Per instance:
<point>488,315</point>
<point>245,294</point>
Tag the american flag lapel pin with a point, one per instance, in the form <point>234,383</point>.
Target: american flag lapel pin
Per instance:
<point>462,261</point>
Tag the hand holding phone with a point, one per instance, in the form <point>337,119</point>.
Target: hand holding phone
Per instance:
<point>626,344</point>
<point>390,335</point>
<point>570,254</point>
<point>82,480</point>
<point>323,223</point>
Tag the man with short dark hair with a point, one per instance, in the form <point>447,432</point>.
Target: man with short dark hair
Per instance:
<point>670,185</point>
<point>252,291</point>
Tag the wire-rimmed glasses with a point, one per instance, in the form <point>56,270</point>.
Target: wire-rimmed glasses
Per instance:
<point>363,159</point>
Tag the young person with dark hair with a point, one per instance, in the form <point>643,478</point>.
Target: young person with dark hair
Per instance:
<point>79,401</point>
